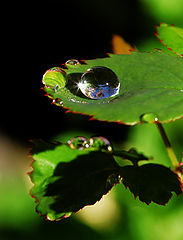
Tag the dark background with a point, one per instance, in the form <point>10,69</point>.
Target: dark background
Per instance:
<point>38,37</point>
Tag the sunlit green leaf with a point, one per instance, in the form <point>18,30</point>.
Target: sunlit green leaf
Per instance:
<point>150,83</point>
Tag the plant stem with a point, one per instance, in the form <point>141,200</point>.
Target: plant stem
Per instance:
<point>169,148</point>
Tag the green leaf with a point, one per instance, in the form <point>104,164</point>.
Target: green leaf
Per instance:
<point>131,155</point>
<point>171,37</point>
<point>150,83</point>
<point>151,182</point>
<point>65,180</point>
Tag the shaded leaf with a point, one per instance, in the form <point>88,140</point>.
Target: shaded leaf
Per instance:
<point>151,182</point>
<point>65,180</point>
<point>150,83</point>
<point>131,155</point>
<point>171,37</point>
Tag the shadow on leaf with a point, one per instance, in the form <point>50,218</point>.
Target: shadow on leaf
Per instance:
<point>81,182</point>
<point>38,145</point>
<point>151,182</point>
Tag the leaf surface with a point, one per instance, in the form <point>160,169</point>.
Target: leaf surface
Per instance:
<point>150,83</point>
<point>171,37</point>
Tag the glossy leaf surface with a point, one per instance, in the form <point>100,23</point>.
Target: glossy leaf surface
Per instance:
<point>150,83</point>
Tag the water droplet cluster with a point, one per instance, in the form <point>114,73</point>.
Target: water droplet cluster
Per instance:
<point>93,143</point>
<point>96,83</point>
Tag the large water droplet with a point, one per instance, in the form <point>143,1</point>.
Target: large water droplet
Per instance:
<point>100,143</point>
<point>99,83</point>
<point>72,63</point>
<point>149,118</point>
<point>54,78</point>
<point>79,143</point>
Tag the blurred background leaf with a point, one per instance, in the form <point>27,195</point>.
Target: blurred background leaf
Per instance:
<point>165,10</point>
<point>120,46</point>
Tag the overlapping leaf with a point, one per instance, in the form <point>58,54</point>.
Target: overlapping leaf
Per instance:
<point>151,83</point>
<point>151,182</point>
<point>171,37</point>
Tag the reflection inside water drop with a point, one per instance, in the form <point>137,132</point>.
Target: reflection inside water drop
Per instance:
<point>149,118</point>
<point>93,143</point>
<point>54,78</point>
<point>99,83</point>
<point>73,80</point>
<point>79,143</point>
<point>100,143</point>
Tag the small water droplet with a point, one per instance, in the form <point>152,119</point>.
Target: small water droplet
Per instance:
<point>149,118</point>
<point>112,180</point>
<point>99,83</point>
<point>79,143</point>
<point>58,102</point>
<point>100,143</point>
<point>72,62</point>
<point>54,78</point>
